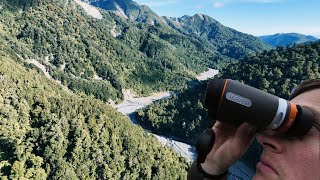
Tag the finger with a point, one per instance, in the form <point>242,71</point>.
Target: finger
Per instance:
<point>242,139</point>
<point>224,129</point>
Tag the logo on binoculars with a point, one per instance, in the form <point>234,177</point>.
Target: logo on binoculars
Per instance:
<point>238,99</point>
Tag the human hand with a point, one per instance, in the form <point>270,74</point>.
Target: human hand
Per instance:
<point>230,144</point>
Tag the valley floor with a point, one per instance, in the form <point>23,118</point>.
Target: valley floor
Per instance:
<point>131,104</point>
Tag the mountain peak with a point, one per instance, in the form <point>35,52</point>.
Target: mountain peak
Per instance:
<point>201,16</point>
<point>185,16</point>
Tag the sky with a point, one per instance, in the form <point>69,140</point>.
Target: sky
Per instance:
<point>256,17</point>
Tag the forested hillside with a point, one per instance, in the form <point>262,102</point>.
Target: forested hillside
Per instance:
<point>204,28</point>
<point>49,133</point>
<point>228,41</point>
<point>277,71</point>
<point>101,57</point>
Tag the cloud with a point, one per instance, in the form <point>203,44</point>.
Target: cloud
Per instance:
<point>157,3</point>
<point>218,5</point>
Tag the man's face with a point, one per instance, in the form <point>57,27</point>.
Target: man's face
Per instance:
<point>292,158</point>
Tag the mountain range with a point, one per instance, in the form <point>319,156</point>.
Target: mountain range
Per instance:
<point>125,52</point>
<point>199,26</point>
<point>287,39</point>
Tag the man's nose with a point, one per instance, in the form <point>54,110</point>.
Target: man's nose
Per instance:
<point>270,141</point>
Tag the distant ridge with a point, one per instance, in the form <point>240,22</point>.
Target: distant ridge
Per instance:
<point>287,39</point>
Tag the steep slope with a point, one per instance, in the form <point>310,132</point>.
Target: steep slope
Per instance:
<point>103,57</point>
<point>128,9</point>
<point>287,39</point>
<point>48,133</point>
<point>91,10</point>
<point>205,29</point>
<point>228,41</point>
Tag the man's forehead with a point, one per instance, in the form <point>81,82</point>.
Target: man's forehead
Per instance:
<point>310,97</point>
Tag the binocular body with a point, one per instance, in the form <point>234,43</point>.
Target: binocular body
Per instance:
<point>233,102</point>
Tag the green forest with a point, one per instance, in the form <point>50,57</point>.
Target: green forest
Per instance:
<point>76,49</point>
<point>278,71</point>
<point>228,41</point>
<point>49,133</point>
<point>57,35</point>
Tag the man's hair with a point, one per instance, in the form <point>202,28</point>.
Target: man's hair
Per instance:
<point>304,86</point>
<point>308,85</point>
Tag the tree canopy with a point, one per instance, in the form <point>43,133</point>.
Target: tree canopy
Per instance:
<point>47,132</point>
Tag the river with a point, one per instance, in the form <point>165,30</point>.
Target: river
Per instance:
<point>131,104</point>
